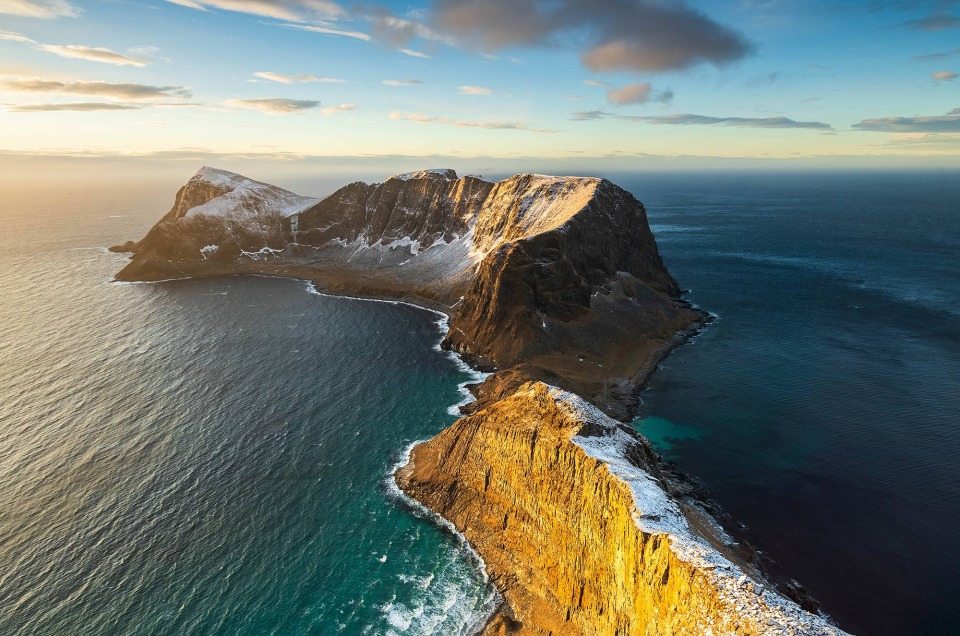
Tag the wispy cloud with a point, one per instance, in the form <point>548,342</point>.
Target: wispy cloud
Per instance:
<point>686,119</point>
<point>475,90</point>
<point>92,54</point>
<point>944,76</point>
<point>933,57</point>
<point>766,79</point>
<point>940,22</point>
<point>78,107</point>
<point>396,31</point>
<point>420,118</point>
<point>620,35</point>
<point>935,124</point>
<point>138,56</point>
<point>401,82</point>
<point>290,10</point>
<point>118,90</point>
<point>275,105</point>
<point>10,36</point>
<point>329,110</point>
<point>45,9</point>
<point>326,30</point>
<point>638,94</point>
<point>593,82</point>
<point>413,53</point>
<point>296,79</point>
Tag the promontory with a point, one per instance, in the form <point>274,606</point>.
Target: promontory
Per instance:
<point>554,286</point>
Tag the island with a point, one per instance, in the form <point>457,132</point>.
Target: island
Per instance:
<point>555,288</point>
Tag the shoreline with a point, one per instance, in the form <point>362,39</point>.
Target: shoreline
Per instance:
<point>638,381</point>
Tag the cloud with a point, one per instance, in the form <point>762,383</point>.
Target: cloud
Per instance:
<point>420,118</point>
<point>933,57</point>
<point>940,22</point>
<point>763,80</point>
<point>92,54</point>
<point>397,32</point>
<point>329,110</point>
<point>326,30</point>
<point>593,82</point>
<point>936,124</point>
<point>686,119</point>
<point>10,36</point>
<point>401,82</point>
<point>928,139</point>
<point>45,9</point>
<point>79,107</point>
<point>475,90</point>
<point>275,105</point>
<point>295,79</point>
<point>618,35</point>
<point>289,10</point>
<point>638,94</point>
<point>944,76</point>
<point>119,90</point>
<point>413,53</point>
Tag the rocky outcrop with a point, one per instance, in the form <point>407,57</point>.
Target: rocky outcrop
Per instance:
<point>543,277</point>
<point>573,519</point>
<point>552,280</point>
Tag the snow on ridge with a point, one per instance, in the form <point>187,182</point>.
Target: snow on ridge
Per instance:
<point>446,173</point>
<point>655,512</point>
<point>245,197</point>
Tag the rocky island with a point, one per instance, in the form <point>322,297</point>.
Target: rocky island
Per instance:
<point>555,286</point>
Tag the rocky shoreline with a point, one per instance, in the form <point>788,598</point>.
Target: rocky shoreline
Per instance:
<point>554,286</point>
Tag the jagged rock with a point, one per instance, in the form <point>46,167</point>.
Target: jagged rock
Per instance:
<point>557,278</point>
<point>568,511</point>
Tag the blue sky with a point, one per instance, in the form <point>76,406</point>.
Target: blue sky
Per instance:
<point>615,82</point>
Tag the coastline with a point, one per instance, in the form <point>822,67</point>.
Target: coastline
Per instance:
<point>570,305</point>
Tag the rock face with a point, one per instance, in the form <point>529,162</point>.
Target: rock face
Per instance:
<point>572,516</point>
<point>543,277</point>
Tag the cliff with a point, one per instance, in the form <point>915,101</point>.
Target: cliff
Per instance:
<point>547,281</point>
<point>579,529</point>
<point>554,278</point>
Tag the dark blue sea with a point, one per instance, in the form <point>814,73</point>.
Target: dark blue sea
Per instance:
<point>212,456</point>
<point>822,407</point>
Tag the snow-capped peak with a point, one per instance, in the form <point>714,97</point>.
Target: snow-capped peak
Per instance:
<point>446,173</point>
<point>243,197</point>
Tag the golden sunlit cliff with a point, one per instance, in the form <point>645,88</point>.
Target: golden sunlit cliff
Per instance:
<point>572,517</point>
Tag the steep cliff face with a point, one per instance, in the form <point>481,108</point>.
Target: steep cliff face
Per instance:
<point>552,279</point>
<point>573,519</point>
<point>559,275</point>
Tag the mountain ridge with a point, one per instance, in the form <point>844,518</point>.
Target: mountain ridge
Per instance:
<point>556,286</point>
<point>542,277</point>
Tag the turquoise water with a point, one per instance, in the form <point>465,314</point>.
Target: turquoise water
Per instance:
<point>663,433</point>
<point>209,456</point>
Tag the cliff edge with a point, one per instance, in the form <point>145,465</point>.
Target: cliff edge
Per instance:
<point>580,532</point>
<point>553,278</point>
<point>555,285</point>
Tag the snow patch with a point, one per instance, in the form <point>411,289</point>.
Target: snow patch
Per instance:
<point>243,197</point>
<point>446,173</point>
<point>655,512</point>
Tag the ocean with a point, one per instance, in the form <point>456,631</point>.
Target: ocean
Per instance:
<point>822,407</point>
<point>212,456</point>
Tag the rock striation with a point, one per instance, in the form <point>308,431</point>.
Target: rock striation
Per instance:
<point>579,531</point>
<point>555,286</point>
<point>553,278</point>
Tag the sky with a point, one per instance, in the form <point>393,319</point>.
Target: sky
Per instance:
<point>603,84</point>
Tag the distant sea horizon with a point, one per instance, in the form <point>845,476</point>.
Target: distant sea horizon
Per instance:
<point>212,455</point>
